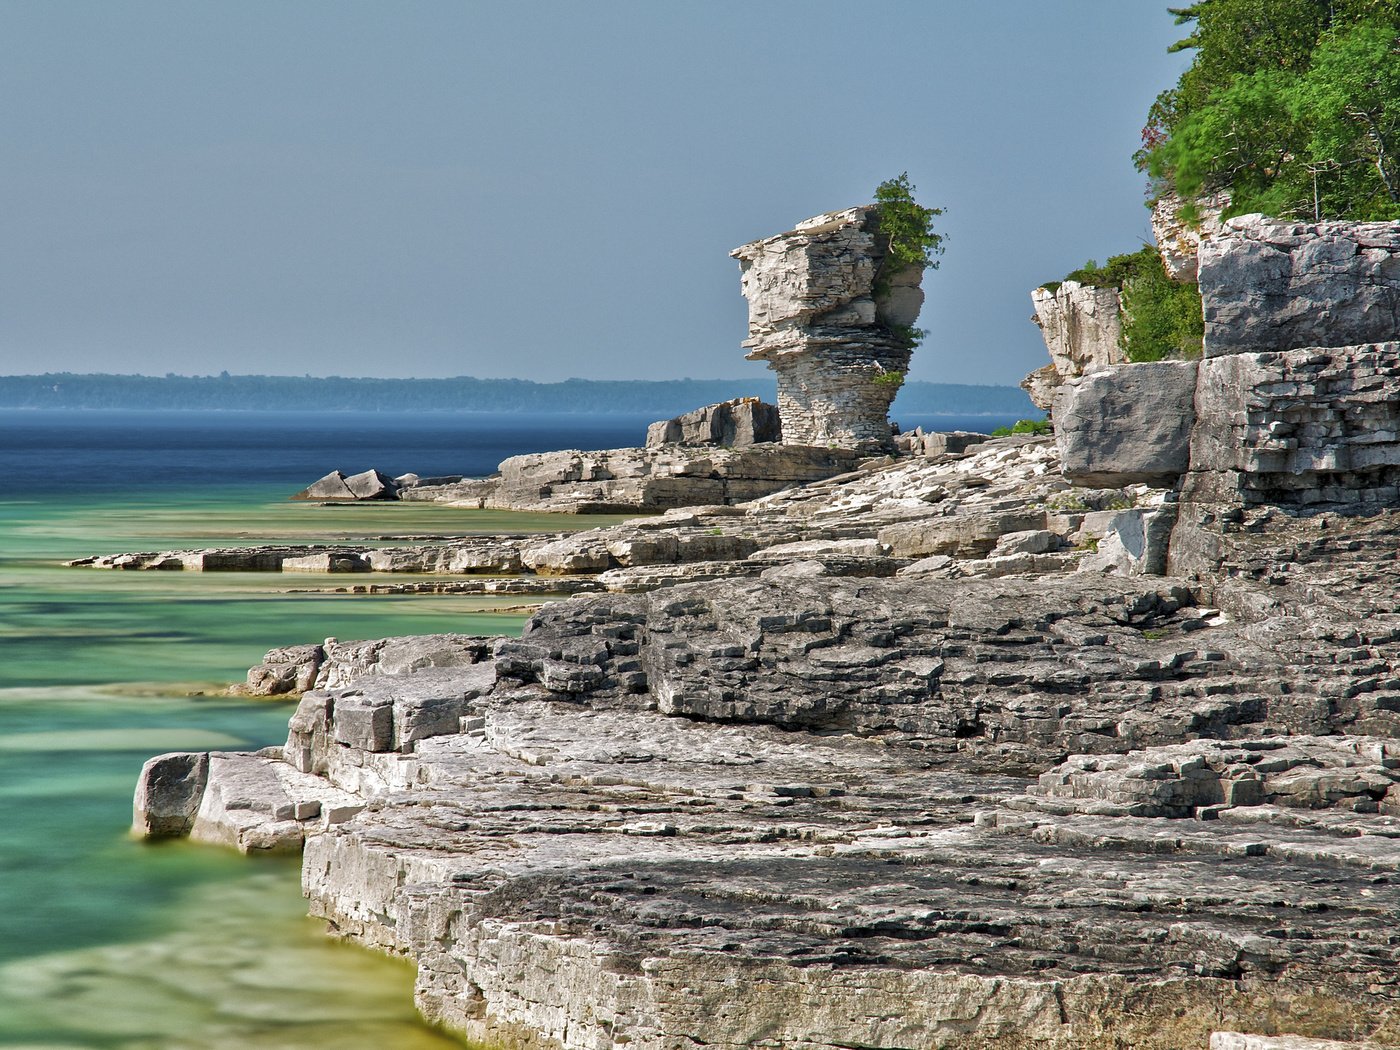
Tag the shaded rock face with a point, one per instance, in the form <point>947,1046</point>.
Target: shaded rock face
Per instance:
<point>1179,241</point>
<point>1082,327</point>
<point>815,318</point>
<point>1271,285</point>
<point>744,421</point>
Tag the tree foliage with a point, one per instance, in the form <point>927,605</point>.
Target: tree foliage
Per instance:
<point>1292,106</point>
<point>908,225</point>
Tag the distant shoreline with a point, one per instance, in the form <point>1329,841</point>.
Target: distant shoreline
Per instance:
<point>463,394</point>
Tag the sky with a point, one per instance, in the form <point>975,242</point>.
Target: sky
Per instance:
<point>540,189</point>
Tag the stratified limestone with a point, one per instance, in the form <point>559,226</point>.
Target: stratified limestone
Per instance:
<point>1315,428</point>
<point>636,479</point>
<point>729,424</point>
<point>816,317</point>
<point>1082,326</point>
<point>1270,285</point>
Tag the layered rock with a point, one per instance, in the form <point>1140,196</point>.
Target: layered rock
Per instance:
<point>1082,326</point>
<point>743,421</point>
<point>782,805</point>
<point>826,312</point>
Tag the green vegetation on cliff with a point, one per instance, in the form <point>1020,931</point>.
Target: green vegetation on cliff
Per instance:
<point>1161,317</point>
<point>1292,107</point>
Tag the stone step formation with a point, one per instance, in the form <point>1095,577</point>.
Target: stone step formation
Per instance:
<point>926,753</point>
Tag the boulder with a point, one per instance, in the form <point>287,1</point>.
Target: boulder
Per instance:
<point>371,484</point>
<point>1134,543</point>
<point>729,424</point>
<point>1127,425</point>
<point>168,792</point>
<point>336,487</point>
<point>330,487</point>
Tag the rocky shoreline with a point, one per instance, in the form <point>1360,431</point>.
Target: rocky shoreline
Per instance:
<point>1027,743</point>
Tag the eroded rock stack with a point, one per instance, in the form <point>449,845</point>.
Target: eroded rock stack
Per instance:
<point>826,313</point>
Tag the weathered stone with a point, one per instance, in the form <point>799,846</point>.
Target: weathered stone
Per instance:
<point>730,424</point>
<point>1127,425</point>
<point>1314,428</point>
<point>289,670</point>
<point>1133,543</point>
<point>1179,240</point>
<point>1082,326</point>
<point>1271,285</point>
<point>817,319</point>
<point>330,487</point>
<point>167,795</point>
<point>371,484</point>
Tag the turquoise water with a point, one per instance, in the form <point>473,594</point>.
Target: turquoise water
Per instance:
<point>109,943</point>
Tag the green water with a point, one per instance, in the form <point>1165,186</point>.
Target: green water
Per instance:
<point>110,943</point>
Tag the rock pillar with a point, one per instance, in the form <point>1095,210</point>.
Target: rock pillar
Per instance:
<point>831,322</point>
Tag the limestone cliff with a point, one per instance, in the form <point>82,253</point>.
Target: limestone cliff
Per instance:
<point>1082,326</point>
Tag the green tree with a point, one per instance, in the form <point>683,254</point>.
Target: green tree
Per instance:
<point>908,225</point>
<point>1289,105</point>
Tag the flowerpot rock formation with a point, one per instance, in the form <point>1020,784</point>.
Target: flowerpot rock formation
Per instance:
<point>827,315</point>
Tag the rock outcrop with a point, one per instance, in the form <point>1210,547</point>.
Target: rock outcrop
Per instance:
<point>826,313</point>
<point>890,771</point>
<point>729,424</point>
<point>1271,285</point>
<point>1082,326</point>
<point>1179,239</point>
<point>782,805</point>
<point>1127,425</point>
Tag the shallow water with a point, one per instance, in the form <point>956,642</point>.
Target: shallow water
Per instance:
<point>110,943</point>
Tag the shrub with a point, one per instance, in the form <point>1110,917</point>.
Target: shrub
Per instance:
<point>1024,426</point>
<point>907,226</point>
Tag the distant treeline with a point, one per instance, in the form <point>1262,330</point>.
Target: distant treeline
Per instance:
<point>461,394</point>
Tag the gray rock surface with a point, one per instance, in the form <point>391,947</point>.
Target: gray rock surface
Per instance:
<point>743,421</point>
<point>1179,241</point>
<point>1083,330</point>
<point>1127,425</point>
<point>816,319</point>
<point>1316,428</point>
<point>336,487</point>
<point>1271,285</point>
<point>168,793</point>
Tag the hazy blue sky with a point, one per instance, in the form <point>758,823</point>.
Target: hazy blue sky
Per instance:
<point>538,189</point>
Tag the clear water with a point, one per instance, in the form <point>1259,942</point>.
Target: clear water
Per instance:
<point>109,943</point>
